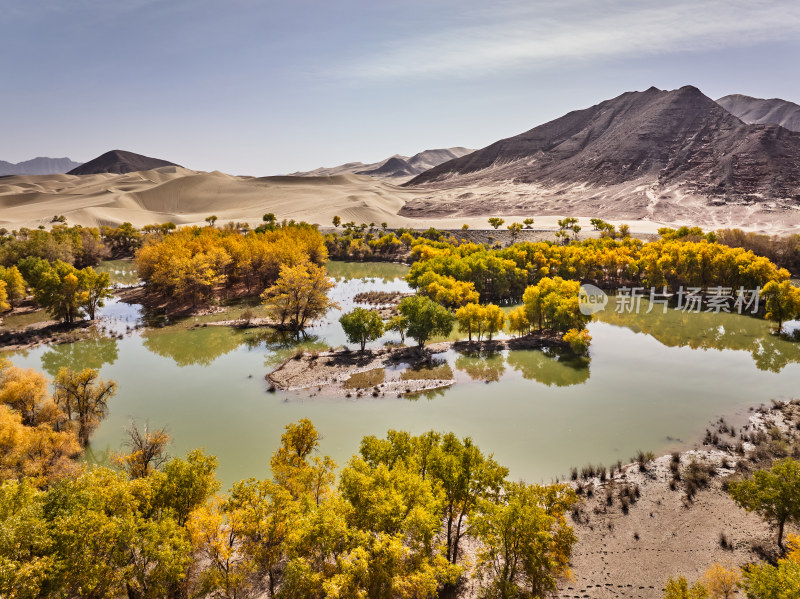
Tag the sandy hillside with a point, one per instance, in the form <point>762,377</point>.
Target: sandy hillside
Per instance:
<point>184,196</point>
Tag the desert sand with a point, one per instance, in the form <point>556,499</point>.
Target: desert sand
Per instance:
<point>185,197</point>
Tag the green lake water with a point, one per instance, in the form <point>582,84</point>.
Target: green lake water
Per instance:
<point>654,382</point>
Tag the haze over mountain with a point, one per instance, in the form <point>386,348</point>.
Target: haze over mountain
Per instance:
<point>119,162</point>
<point>394,167</point>
<point>653,154</point>
<point>38,166</point>
<point>761,111</point>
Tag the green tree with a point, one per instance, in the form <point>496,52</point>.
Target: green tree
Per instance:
<point>782,301</point>
<point>184,485</point>
<point>467,477</point>
<point>362,325</point>
<point>528,222</point>
<point>58,290</point>
<point>496,222</point>
<point>262,515</point>
<point>211,220</point>
<point>399,324</point>
<point>515,229</point>
<point>107,546</point>
<point>84,397</point>
<point>773,493</point>
<point>426,318</point>
<point>526,540</point>
<point>95,288</point>
<point>269,218</point>
<point>28,563</point>
<point>565,224</point>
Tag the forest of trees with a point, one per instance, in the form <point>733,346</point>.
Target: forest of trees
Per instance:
<point>56,268</point>
<point>392,523</point>
<point>197,264</point>
<point>502,275</point>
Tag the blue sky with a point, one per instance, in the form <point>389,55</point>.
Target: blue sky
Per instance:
<point>249,87</point>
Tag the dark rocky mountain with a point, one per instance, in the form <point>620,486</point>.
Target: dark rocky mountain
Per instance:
<point>763,112</point>
<point>395,167</point>
<point>118,162</point>
<point>659,138</point>
<point>38,166</point>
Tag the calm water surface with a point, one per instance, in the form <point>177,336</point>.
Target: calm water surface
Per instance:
<point>653,382</point>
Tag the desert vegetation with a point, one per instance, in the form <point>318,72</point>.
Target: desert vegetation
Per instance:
<point>393,523</point>
<point>201,264</point>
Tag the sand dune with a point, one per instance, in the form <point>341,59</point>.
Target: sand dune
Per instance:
<point>184,196</point>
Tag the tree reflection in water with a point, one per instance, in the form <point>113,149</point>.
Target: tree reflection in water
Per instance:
<point>707,330</point>
<point>550,369</point>
<point>482,365</point>
<point>93,352</point>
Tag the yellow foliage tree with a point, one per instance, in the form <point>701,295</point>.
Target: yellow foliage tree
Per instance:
<point>37,453</point>
<point>721,582</point>
<point>470,320</point>
<point>23,390</point>
<point>578,340</point>
<point>775,582</point>
<point>782,301</point>
<point>518,321</point>
<point>299,295</point>
<point>493,320</point>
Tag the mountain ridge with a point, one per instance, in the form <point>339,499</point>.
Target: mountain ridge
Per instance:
<point>761,111</point>
<point>672,137</point>
<point>393,167</point>
<point>41,165</point>
<point>119,162</point>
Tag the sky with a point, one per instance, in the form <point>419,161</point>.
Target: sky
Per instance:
<point>265,87</point>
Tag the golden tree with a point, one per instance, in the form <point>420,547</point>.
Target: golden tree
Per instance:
<point>299,295</point>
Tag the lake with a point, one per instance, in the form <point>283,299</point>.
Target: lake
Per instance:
<point>654,382</point>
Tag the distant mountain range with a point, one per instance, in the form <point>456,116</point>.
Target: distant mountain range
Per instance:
<point>118,162</point>
<point>38,166</point>
<point>394,167</point>
<point>659,137</point>
<point>763,112</point>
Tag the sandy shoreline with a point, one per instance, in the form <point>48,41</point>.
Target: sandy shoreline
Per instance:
<point>664,534</point>
<point>334,370</point>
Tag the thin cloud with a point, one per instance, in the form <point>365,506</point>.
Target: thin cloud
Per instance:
<point>516,36</point>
